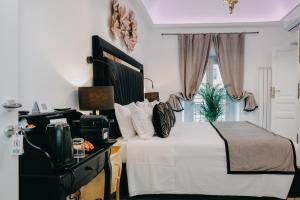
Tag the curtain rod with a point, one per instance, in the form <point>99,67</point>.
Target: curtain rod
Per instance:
<point>163,34</point>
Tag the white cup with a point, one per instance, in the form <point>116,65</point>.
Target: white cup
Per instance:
<point>10,102</point>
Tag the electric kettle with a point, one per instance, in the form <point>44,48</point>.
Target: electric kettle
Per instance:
<point>59,143</point>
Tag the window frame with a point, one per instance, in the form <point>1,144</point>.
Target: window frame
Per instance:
<point>231,109</point>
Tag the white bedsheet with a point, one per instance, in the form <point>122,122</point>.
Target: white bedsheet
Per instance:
<point>192,160</point>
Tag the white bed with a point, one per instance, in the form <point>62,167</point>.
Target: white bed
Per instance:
<point>192,160</point>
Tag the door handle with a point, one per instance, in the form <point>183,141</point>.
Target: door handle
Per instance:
<point>273,92</point>
<point>298,90</point>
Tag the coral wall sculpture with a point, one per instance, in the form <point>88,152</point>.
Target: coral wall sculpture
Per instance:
<point>123,25</point>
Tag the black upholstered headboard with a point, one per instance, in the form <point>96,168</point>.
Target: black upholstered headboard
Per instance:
<point>118,70</point>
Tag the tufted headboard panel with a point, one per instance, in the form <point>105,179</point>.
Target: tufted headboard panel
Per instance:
<point>113,67</point>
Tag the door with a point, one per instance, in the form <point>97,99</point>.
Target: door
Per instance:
<point>8,90</point>
<point>284,93</point>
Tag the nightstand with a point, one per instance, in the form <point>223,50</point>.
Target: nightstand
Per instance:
<point>95,190</point>
<point>116,168</point>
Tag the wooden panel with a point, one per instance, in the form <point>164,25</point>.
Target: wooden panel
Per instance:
<point>116,163</point>
<point>118,60</point>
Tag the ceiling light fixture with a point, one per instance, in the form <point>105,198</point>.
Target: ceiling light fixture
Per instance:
<point>231,4</point>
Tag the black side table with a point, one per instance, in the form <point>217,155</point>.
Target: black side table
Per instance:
<point>39,180</point>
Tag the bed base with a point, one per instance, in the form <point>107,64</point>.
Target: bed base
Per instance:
<point>295,188</point>
<point>294,191</point>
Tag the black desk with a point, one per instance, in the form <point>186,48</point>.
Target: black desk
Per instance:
<point>37,182</point>
<point>38,177</point>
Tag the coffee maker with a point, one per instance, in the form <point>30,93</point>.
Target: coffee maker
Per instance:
<point>49,145</point>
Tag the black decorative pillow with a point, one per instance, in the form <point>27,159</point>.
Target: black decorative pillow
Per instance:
<point>171,114</point>
<point>161,120</point>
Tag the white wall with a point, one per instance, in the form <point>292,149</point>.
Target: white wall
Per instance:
<point>55,39</point>
<point>162,57</point>
<point>8,89</point>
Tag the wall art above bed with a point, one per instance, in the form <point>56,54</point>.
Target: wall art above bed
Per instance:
<point>123,25</point>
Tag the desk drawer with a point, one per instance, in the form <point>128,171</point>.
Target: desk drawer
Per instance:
<point>86,172</point>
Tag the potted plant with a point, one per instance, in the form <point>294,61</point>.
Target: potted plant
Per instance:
<point>213,99</point>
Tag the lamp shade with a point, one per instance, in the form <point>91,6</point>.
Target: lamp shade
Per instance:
<point>96,98</point>
<point>152,96</point>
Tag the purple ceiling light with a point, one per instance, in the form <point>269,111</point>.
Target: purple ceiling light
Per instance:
<point>215,11</point>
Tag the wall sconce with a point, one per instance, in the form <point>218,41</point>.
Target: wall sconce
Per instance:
<point>151,95</point>
<point>150,81</point>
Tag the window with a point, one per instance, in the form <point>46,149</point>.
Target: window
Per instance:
<point>215,75</point>
<point>212,76</point>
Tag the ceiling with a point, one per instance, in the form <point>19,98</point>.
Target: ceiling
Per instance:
<point>216,11</point>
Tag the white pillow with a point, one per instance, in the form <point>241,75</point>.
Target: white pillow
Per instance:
<point>147,105</point>
<point>142,103</point>
<point>123,116</point>
<point>142,122</point>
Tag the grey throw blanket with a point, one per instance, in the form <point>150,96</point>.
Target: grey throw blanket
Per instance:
<point>254,150</point>
<point>175,102</point>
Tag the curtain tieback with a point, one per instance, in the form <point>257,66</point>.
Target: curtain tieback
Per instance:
<point>250,103</point>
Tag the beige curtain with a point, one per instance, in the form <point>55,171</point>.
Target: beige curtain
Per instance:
<point>193,56</point>
<point>230,53</point>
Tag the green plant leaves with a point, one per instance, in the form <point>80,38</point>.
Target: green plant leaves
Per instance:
<point>213,98</point>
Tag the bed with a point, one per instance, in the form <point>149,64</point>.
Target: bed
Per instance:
<point>165,166</point>
<point>192,160</point>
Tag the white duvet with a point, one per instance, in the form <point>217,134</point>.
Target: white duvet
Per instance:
<point>192,160</point>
